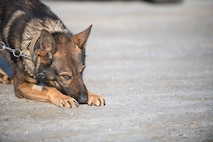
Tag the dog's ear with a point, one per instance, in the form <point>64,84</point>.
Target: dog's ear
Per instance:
<point>47,47</point>
<point>80,39</point>
<point>47,43</point>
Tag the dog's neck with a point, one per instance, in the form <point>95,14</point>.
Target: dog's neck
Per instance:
<point>31,30</point>
<point>30,65</point>
<point>32,46</point>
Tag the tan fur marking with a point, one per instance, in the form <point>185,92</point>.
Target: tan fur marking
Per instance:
<point>36,25</point>
<point>16,14</point>
<point>37,87</point>
<point>4,78</point>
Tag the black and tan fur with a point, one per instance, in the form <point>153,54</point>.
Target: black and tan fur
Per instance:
<point>58,56</point>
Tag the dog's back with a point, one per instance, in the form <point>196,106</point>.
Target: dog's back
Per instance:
<point>20,21</point>
<point>17,15</point>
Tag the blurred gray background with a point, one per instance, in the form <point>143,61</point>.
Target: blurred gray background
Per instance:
<point>152,62</point>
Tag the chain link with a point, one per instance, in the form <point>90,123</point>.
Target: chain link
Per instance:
<point>16,52</point>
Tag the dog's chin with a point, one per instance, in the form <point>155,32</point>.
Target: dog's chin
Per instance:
<point>82,99</point>
<point>74,96</point>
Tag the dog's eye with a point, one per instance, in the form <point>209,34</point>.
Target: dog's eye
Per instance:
<point>66,76</point>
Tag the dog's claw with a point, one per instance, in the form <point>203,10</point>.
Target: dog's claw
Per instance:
<point>68,103</point>
<point>63,101</point>
<point>95,100</point>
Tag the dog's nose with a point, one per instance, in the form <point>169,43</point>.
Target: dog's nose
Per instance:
<point>83,98</point>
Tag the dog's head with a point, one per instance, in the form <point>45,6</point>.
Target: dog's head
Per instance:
<point>61,62</point>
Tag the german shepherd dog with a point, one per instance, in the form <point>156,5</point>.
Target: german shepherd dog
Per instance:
<point>48,54</point>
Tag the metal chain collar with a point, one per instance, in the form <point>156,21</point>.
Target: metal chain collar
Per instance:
<point>16,52</point>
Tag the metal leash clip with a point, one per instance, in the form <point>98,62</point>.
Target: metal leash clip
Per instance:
<point>16,52</point>
<point>2,46</point>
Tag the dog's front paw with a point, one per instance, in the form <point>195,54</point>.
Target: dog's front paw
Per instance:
<point>67,101</point>
<point>61,100</point>
<point>4,78</point>
<point>95,100</point>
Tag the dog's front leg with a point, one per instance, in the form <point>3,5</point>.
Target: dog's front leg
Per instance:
<point>4,78</point>
<point>95,99</point>
<point>44,93</point>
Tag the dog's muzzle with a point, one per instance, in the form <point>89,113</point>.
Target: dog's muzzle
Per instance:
<point>83,98</point>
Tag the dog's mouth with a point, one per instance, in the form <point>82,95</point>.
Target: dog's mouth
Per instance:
<point>81,97</point>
